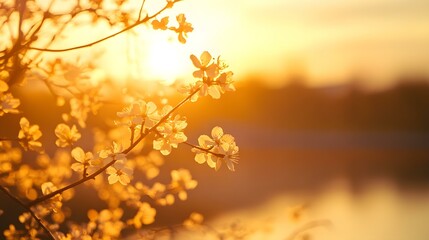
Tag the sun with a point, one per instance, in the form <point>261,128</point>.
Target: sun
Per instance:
<point>164,60</point>
<point>149,57</point>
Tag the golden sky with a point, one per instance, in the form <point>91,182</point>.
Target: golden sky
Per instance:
<point>327,41</point>
<point>330,40</point>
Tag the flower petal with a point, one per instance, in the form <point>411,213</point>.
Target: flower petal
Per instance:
<point>217,133</point>
<point>212,71</point>
<point>113,178</point>
<point>195,61</point>
<point>218,164</point>
<point>124,179</point>
<point>205,58</point>
<point>205,141</point>
<point>78,154</point>
<point>214,91</point>
<point>198,74</point>
<point>200,158</point>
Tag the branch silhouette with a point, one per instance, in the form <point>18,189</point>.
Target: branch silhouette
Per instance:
<point>137,23</point>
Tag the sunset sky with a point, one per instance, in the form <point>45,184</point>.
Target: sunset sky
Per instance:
<point>328,42</point>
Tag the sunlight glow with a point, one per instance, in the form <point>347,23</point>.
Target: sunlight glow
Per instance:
<point>164,61</point>
<point>333,42</point>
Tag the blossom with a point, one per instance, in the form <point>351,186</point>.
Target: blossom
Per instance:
<point>29,136</point>
<point>183,29</point>
<point>229,150</point>
<point>171,133</point>
<point>194,221</point>
<point>225,82</point>
<point>66,135</point>
<point>81,106</point>
<point>119,172</point>
<point>209,148</point>
<point>144,216</point>
<point>181,180</point>
<point>210,88</point>
<point>69,74</point>
<point>159,194</point>
<point>214,81</point>
<point>216,149</point>
<point>107,222</point>
<point>191,88</point>
<point>48,187</point>
<point>162,25</point>
<point>53,203</point>
<point>11,233</point>
<point>166,109</point>
<point>113,153</point>
<point>140,113</point>
<point>202,156</point>
<point>83,159</point>
<point>206,66</point>
<point>8,104</point>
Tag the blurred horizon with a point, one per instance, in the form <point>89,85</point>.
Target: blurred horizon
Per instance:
<point>326,41</point>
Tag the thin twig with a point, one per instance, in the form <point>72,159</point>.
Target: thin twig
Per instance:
<point>205,150</point>
<point>21,5</point>
<point>28,209</point>
<point>141,10</point>
<point>132,135</point>
<point>138,22</point>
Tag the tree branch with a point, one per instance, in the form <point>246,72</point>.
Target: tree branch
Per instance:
<point>141,10</point>
<point>138,22</point>
<point>205,150</point>
<point>126,151</point>
<point>28,209</point>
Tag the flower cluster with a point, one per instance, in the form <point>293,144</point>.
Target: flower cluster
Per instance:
<point>216,149</point>
<point>66,136</point>
<point>55,202</point>
<point>182,29</point>
<point>104,224</point>
<point>144,216</point>
<point>181,180</point>
<point>29,136</point>
<point>84,160</point>
<point>140,115</point>
<point>194,221</point>
<point>212,79</point>
<point>83,105</point>
<point>8,104</point>
<point>119,171</point>
<point>159,193</point>
<point>170,134</point>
